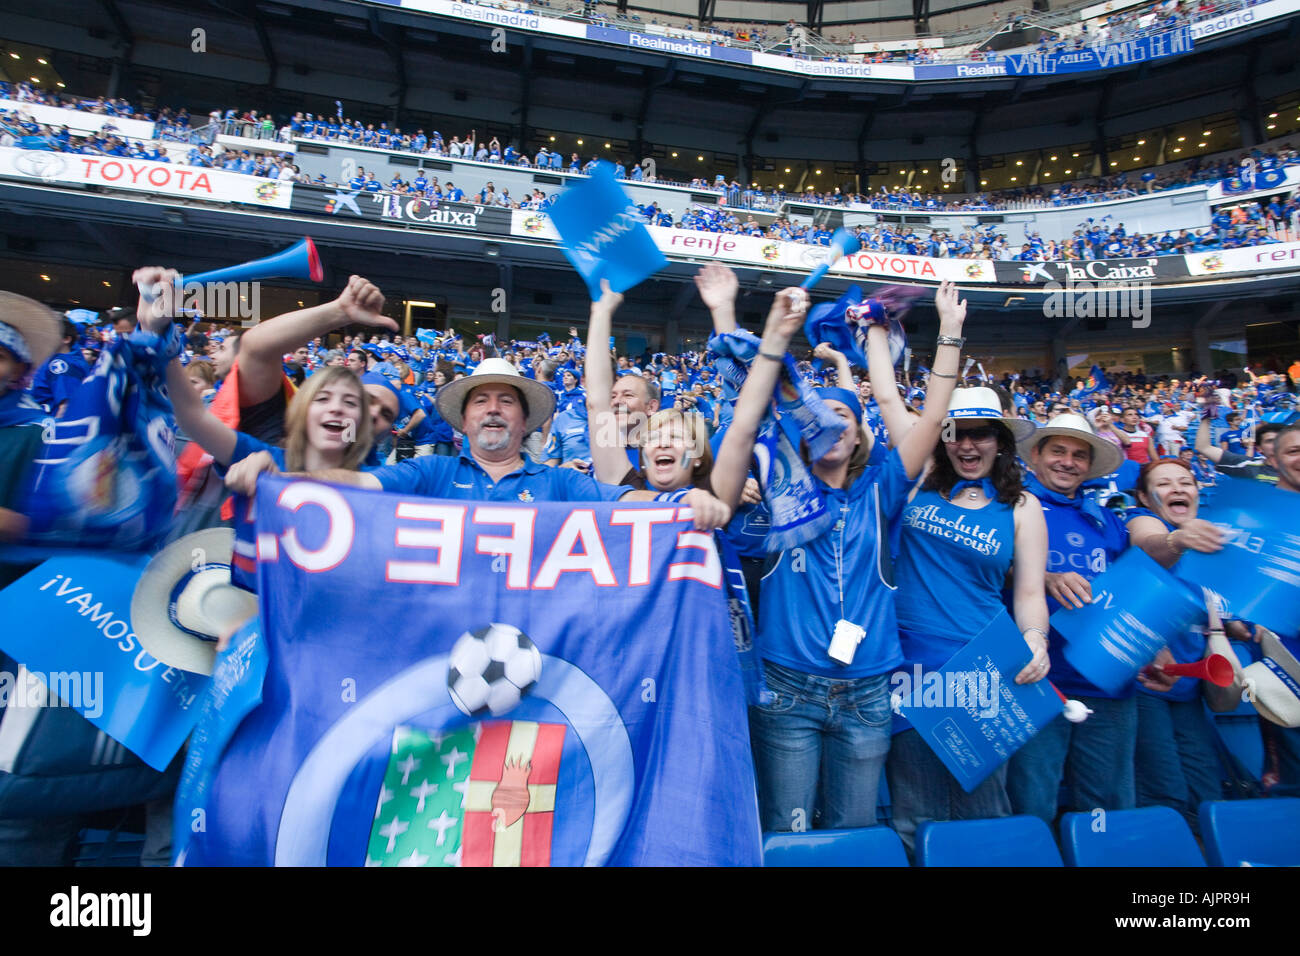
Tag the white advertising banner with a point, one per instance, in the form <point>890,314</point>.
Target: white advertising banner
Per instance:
<point>1278,256</point>
<point>191,182</point>
<point>775,253</point>
<point>492,16</point>
<point>79,122</point>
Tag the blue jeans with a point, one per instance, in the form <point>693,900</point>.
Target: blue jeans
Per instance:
<point>921,788</point>
<point>819,743</point>
<point>1176,761</point>
<point>1094,758</point>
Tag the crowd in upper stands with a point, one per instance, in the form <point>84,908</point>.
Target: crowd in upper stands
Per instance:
<point>1249,224</point>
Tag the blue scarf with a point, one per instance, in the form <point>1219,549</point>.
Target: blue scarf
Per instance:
<point>1083,503</point>
<point>791,495</point>
<point>18,408</point>
<point>106,476</point>
<point>985,483</point>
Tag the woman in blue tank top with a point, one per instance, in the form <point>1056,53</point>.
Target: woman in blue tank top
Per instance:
<point>1176,763</point>
<point>969,528</point>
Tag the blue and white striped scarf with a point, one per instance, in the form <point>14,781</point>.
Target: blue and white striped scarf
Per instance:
<point>106,475</point>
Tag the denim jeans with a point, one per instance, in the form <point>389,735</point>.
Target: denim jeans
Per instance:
<point>1176,761</point>
<point>819,743</point>
<point>1094,758</point>
<point>921,788</point>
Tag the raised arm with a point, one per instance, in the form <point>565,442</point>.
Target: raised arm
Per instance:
<point>843,372</point>
<point>1203,444</point>
<point>732,465</point>
<point>155,315</point>
<point>261,349</point>
<point>718,286</point>
<point>919,442</point>
<point>608,459</point>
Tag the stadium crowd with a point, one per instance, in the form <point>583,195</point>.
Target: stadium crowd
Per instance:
<point>1116,462</point>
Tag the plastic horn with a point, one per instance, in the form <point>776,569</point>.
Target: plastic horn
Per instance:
<point>299,261</point>
<point>843,243</point>
<point>1076,712</point>
<point>1216,668</point>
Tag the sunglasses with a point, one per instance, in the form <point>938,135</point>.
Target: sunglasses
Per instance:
<point>978,433</point>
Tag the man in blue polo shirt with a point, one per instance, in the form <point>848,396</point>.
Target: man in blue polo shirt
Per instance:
<point>496,408</point>
<point>1094,758</point>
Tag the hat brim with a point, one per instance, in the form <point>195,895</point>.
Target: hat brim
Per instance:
<point>451,398</point>
<point>150,616</point>
<point>38,325</point>
<point>1106,457</point>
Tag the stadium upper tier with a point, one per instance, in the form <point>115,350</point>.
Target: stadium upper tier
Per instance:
<point>67,123</point>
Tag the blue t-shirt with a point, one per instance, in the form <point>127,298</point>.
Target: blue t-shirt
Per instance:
<point>58,378</point>
<point>441,476</point>
<point>569,439</point>
<point>801,595</point>
<point>952,563</point>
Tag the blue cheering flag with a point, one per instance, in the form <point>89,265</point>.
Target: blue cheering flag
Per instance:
<point>425,337</point>
<point>1137,608</point>
<point>1254,181</point>
<point>560,687</point>
<point>604,235</point>
<point>1256,572</point>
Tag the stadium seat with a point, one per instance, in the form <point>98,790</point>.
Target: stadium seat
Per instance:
<point>1010,841</point>
<point>1262,832</point>
<point>1148,836</point>
<point>868,846</point>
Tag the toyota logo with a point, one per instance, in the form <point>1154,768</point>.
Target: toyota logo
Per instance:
<point>40,164</point>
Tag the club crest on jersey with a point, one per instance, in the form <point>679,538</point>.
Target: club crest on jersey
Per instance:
<point>525,495</point>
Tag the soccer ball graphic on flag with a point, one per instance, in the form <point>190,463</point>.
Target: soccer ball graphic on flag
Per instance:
<point>491,668</point>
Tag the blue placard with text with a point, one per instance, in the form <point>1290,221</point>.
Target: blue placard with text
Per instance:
<point>72,615</point>
<point>603,233</point>
<point>972,713</point>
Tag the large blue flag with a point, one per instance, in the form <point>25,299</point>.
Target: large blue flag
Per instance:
<point>604,235</point>
<point>1256,572</point>
<point>451,683</point>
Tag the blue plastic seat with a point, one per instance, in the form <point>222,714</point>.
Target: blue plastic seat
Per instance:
<point>868,846</point>
<point>1148,836</point>
<point>1264,832</point>
<point>1009,841</point>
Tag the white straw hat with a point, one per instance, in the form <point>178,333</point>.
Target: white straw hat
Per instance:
<point>184,601</point>
<point>1106,456</point>
<point>980,402</point>
<point>1272,683</point>
<point>496,371</point>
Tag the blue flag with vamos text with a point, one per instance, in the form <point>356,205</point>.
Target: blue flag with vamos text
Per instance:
<point>603,233</point>
<point>452,683</point>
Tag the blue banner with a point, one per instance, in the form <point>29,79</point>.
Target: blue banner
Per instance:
<point>603,233</point>
<point>1257,573</point>
<point>72,616</point>
<point>1253,181</point>
<point>673,45</point>
<point>451,683</point>
<point>972,713</point>
<point>1172,43</point>
<point>1137,608</point>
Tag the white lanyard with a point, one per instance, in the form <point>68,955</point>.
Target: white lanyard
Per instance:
<point>839,557</point>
